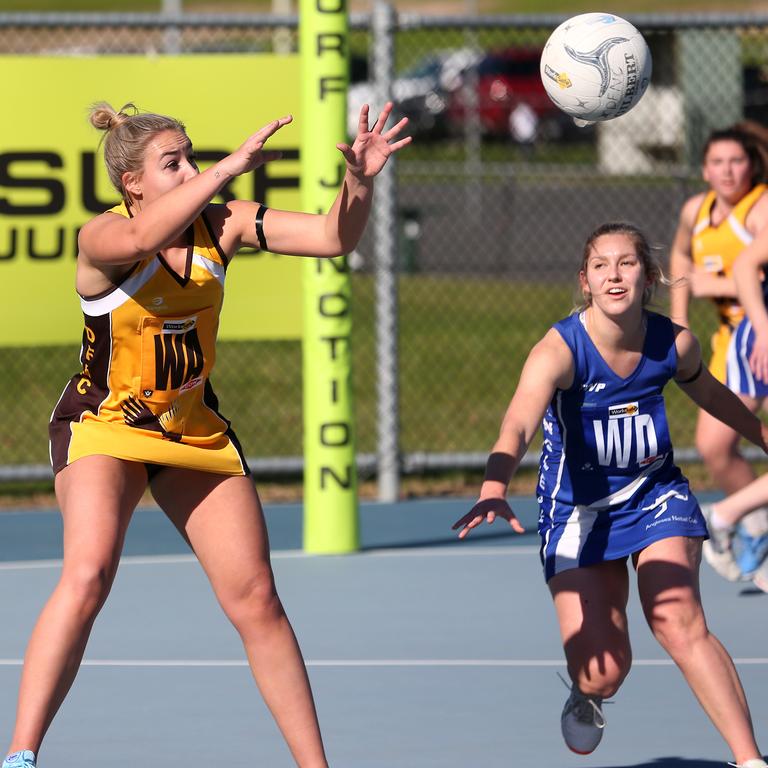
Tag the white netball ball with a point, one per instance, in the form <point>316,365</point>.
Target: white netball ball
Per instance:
<point>595,66</point>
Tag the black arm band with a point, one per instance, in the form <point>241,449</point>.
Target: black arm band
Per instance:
<point>259,221</point>
<point>695,375</point>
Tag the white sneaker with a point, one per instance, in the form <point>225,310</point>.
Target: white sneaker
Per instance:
<point>25,759</point>
<point>718,549</point>
<point>582,722</point>
<point>756,762</point>
<point>760,577</point>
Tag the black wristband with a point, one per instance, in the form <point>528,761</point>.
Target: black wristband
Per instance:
<point>259,222</point>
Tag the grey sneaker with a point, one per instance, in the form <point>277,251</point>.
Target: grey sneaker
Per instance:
<point>718,549</point>
<point>582,722</point>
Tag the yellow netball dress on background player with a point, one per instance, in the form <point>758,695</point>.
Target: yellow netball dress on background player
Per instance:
<point>714,249</point>
<point>144,393</point>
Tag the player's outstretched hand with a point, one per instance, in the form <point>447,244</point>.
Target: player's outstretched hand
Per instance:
<point>487,509</point>
<point>251,153</point>
<point>373,146</point>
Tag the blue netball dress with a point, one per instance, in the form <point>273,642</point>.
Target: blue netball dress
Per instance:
<point>739,375</point>
<point>608,485</point>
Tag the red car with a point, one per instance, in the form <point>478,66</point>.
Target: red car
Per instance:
<point>510,99</point>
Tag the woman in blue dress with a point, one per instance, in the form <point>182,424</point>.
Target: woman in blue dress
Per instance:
<point>609,489</point>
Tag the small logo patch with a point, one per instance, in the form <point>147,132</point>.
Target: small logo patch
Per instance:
<point>626,409</point>
<point>179,326</point>
<point>191,384</point>
<point>561,78</point>
<point>713,263</point>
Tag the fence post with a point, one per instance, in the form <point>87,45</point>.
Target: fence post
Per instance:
<point>703,113</point>
<point>385,259</point>
<point>172,35</point>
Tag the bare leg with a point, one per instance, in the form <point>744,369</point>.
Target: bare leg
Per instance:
<point>221,518</point>
<point>97,495</point>
<point>718,445</point>
<point>591,609</point>
<point>734,507</point>
<point>668,582</point>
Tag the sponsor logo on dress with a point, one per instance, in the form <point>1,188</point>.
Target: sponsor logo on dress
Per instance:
<point>625,409</point>
<point>179,326</point>
<point>713,263</point>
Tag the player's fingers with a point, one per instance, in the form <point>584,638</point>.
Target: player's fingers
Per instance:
<point>272,154</point>
<point>270,128</point>
<point>516,525</point>
<point>468,522</point>
<point>395,129</point>
<point>395,145</point>
<point>756,364</point>
<point>473,523</point>
<point>362,120</point>
<point>346,150</point>
<point>461,522</point>
<point>762,369</point>
<point>383,117</point>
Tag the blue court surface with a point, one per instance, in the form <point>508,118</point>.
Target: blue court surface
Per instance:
<point>422,652</point>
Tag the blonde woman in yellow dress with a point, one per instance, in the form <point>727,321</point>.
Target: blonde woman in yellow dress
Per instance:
<point>150,276</point>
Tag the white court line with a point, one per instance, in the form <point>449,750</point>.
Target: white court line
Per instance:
<point>453,551</point>
<point>294,554</point>
<point>341,663</point>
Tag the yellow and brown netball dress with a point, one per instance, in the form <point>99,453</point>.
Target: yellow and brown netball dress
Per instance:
<point>715,249</point>
<point>148,349</point>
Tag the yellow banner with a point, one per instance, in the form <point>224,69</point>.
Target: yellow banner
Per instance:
<point>52,180</point>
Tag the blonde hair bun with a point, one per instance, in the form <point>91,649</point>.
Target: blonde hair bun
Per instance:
<point>103,116</point>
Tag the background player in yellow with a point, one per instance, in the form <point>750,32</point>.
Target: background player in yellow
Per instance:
<point>714,228</point>
<point>150,275</point>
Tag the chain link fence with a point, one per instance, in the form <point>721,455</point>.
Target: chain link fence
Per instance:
<point>494,200</point>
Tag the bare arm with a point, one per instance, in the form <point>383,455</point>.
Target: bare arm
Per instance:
<point>708,393</point>
<point>707,285</point>
<point>339,230</point>
<point>549,367</point>
<point>112,240</point>
<point>681,262</point>
<point>749,274</point>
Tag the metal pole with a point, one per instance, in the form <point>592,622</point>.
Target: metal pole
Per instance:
<point>385,257</point>
<point>172,35</point>
<point>473,136</point>
<point>282,37</point>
